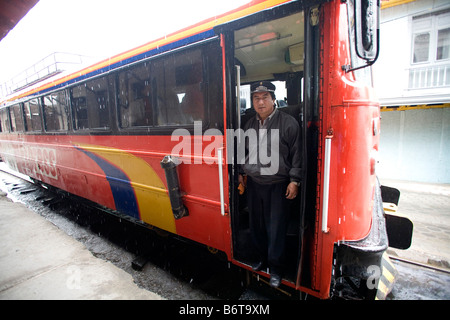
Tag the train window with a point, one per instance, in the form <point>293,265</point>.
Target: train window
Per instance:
<point>163,92</point>
<point>90,105</point>
<point>4,120</point>
<point>213,85</point>
<point>33,115</point>
<point>16,115</point>
<point>135,97</point>
<point>79,108</point>
<point>178,83</point>
<point>56,111</point>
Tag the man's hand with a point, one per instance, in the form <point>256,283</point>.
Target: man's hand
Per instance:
<point>291,191</point>
<point>242,180</point>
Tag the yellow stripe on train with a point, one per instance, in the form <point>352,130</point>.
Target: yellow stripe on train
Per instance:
<point>151,195</point>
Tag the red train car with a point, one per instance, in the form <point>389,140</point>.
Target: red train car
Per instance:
<point>152,134</point>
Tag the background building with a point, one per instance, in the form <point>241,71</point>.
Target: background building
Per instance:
<point>412,77</point>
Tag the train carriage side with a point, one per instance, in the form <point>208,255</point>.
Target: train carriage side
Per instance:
<point>151,135</point>
<point>104,139</point>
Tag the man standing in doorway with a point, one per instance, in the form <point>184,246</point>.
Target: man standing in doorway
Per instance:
<point>269,190</point>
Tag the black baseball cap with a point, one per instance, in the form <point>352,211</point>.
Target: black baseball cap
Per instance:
<point>262,86</point>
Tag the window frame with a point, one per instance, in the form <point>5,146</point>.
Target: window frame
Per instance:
<point>110,87</point>
<point>14,124</point>
<point>432,28</point>
<point>205,47</point>
<point>27,126</point>
<point>210,87</point>
<point>44,115</point>
<point>7,128</point>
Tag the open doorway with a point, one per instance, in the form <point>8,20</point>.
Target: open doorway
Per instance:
<point>272,51</point>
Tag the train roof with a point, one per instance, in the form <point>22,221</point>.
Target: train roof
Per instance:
<point>200,31</point>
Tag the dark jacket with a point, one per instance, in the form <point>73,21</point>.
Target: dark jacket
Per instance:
<point>267,165</point>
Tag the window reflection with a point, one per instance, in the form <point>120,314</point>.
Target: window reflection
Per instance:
<point>56,111</point>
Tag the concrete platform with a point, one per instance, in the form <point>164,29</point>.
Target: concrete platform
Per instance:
<point>428,207</point>
<point>40,261</point>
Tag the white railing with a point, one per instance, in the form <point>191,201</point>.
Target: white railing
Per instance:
<point>54,63</point>
<point>433,76</point>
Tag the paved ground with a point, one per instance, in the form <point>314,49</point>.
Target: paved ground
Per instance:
<point>40,261</point>
<point>428,207</point>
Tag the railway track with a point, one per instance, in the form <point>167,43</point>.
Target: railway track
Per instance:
<point>423,265</point>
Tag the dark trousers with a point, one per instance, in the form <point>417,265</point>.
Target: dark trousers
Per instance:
<point>268,208</point>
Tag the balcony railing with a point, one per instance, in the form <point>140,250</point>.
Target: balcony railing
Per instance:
<point>431,76</point>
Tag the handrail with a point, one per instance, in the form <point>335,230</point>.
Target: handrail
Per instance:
<point>326,184</point>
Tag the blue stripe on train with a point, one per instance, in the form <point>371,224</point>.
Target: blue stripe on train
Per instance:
<point>123,192</point>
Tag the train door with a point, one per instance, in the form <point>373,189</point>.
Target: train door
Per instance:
<point>266,46</point>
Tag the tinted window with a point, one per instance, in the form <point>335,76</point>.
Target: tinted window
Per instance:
<point>16,115</point>
<point>56,111</point>
<point>163,92</point>
<point>32,115</point>
<point>135,97</point>
<point>90,105</point>
<point>4,120</point>
<point>178,82</point>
